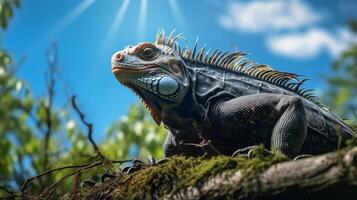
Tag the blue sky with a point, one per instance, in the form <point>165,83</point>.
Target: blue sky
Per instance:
<point>297,36</point>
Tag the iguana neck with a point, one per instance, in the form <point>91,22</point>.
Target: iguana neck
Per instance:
<point>184,116</point>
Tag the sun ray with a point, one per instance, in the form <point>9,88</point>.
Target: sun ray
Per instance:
<point>175,8</point>
<point>53,32</point>
<point>70,17</point>
<point>142,19</point>
<point>116,23</point>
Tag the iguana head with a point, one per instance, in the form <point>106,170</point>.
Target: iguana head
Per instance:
<point>154,71</point>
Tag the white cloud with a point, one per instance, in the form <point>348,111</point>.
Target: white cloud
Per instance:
<point>262,16</point>
<point>310,43</point>
<point>289,27</point>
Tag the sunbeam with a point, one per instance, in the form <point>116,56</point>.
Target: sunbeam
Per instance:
<point>58,27</point>
<point>70,17</point>
<point>177,13</point>
<point>142,19</point>
<point>116,23</point>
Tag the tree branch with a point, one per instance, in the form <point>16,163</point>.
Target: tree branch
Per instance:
<point>87,124</point>
<point>332,175</point>
<point>328,176</point>
<point>50,83</point>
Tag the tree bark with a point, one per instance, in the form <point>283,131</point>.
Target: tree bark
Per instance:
<point>328,176</point>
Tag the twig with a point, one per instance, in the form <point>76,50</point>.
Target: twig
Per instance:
<point>76,185</point>
<point>204,144</point>
<point>47,190</point>
<point>89,125</point>
<point>6,190</point>
<point>24,186</point>
<point>10,193</point>
<point>50,83</point>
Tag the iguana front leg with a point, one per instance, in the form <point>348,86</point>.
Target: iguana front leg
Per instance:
<point>182,144</point>
<point>283,114</point>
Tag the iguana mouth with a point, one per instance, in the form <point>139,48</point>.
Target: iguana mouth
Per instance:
<point>118,67</point>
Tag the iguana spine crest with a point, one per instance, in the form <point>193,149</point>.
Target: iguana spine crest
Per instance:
<point>237,62</point>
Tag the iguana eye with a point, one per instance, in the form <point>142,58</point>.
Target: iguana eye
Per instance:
<point>148,53</point>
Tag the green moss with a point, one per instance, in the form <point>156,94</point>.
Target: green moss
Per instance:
<point>182,172</point>
<point>351,142</point>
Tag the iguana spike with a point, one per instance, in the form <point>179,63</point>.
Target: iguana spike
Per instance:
<point>211,56</point>
<point>242,66</point>
<point>179,50</point>
<point>274,76</point>
<point>305,92</point>
<point>158,37</point>
<point>194,50</point>
<point>229,61</point>
<point>169,40</point>
<point>265,74</point>
<point>278,78</point>
<point>213,61</point>
<point>187,53</point>
<point>177,37</point>
<point>205,58</point>
<point>220,58</point>
<point>300,83</point>
<point>163,37</point>
<point>175,46</point>
<point>226,58</point>
<point>251,69</point>
<point>200,54</point>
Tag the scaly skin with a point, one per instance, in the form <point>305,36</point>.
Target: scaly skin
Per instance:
<point>224,100</point>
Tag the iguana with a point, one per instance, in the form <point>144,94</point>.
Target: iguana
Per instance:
<point>224,100</point>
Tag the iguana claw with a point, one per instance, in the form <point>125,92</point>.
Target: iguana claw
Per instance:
<point>302,156</point>
<point>137,165</point>
<point>248,152</point>
<point>88,183</point>
<point>105,177</point>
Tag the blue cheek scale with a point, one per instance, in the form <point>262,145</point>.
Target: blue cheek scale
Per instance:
<point>167,86</point>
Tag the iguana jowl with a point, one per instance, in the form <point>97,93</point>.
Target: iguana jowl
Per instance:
<point>226,99</point>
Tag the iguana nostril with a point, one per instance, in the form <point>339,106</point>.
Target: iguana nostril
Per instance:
<point>119,57</point>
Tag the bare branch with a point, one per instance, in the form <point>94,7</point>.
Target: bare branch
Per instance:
<point>88,125</point>
<point>82,166</point>
<point>47,191</point>
<point>4,188</point>
<point>50,83</point>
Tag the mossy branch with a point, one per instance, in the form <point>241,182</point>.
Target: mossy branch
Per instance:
<point>332,175</point>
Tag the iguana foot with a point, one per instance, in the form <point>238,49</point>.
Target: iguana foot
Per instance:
<point>249,152</point>
<point>137,165</point>
<point>88,184</point>
<point>302,156</point>
<point>153,162</point>
<point>106,177</point>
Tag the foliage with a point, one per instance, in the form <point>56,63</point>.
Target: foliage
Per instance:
<point>342,93</point>
<point>29,122</point>
<point>7,11</point>
<point>136,135</point>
